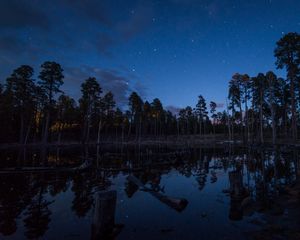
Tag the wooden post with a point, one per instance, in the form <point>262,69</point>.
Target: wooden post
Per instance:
<point>237,193</point>
<point>236,183</point>
<point>103,226</point>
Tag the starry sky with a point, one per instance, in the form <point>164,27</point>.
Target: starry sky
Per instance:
<point>170,49</point>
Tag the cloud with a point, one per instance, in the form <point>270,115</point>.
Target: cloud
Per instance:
<point>116,81</point>
<point>173,109</point>
<point>90,9</point>
<point>18,14</point>
<point>220,105</point>
<point>32,31</point>
<point>137,22</point>
<point>10,44</point>
<point>104,43</point>
<point>72,25</point>
<point>141,89</point>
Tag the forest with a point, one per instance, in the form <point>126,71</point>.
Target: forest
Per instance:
<point>259,109</point>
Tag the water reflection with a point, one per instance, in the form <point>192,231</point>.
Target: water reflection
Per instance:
<point>28,202</point>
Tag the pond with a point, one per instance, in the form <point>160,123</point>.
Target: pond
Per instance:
<point>186,193</point>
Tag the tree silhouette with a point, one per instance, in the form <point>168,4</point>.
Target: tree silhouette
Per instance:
<point>89,103</point>
<point>287,52</point>
<point>259,85</point>
<point>158,114</point>
<point>135,109</point>
<point>213,110</point>
<point>201,111</point>
<point>51,78</point>
<point>21,87</point>
<point>271,99</point>
<point>30,111</point>
<point>66,114</point>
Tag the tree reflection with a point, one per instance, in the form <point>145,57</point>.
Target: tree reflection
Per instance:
<point>256,177</point>
<point>14,197</point>
<point>83,198</point>
<point>37,217</point>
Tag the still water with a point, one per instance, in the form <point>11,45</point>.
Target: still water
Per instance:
<point>215,186</point>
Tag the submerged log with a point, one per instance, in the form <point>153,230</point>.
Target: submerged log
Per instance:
<point>103,225</point>
<point>179,204</point>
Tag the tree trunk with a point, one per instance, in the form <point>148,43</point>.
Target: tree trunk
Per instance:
<point>294,120</point>
<point>246,120</point>
<point>27,132</point>
<point>241,121</point>
<point>261,118</point>
<point>46,129</point>
<point>273,125</point>
<point>200,127</point>
<point>88,131</point>
<point>140,130</point>
<point>21,137</point>
<point>99,131</point>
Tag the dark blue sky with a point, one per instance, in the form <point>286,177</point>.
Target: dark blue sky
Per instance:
<point>170,49</point>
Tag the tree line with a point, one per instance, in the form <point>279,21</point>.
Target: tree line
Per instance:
<point>259,107</point>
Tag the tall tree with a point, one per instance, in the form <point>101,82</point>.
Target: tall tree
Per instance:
<point>201,111</point>
<point>21,87</point>
<point>108,104</point>
<point>51,78</point>
<point>89,103</point>
<point>213,109</point>
<point>287,53</point>
<point>271,98</point>
<point>157,112</point>
<point>66,111</point>
<point>259,85</point>
<point>135,109</point>
<point>246,95</point>
<point>235,97</point>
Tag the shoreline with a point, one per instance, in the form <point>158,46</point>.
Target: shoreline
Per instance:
<point>185,141</point>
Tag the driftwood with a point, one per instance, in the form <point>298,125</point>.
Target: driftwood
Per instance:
<point>179,204</point>
<point>85,165</point>
<point>103,225</point>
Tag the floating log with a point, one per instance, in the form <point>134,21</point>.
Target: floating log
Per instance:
<point>103,225</point>
<point>85,165</point>
<point>179,204</point>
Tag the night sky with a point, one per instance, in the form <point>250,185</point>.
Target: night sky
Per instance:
<point>170,49</point>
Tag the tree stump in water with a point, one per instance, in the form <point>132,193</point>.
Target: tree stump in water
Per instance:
<point>103,226</point>
<point>237,189</point>
<point>237,194</point>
